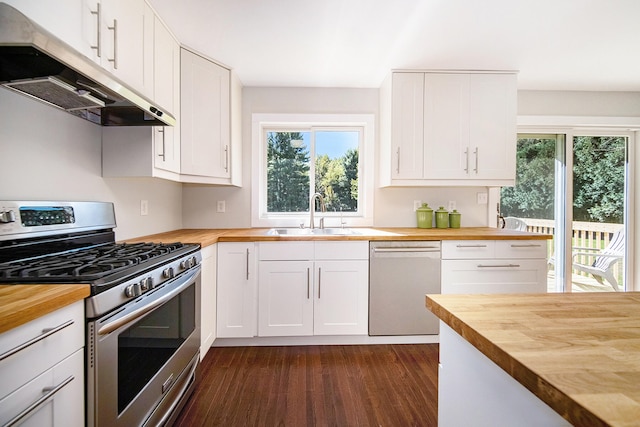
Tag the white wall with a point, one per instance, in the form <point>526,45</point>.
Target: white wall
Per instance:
<point>392,206</point>
<point>47,154</point>
<point>574,103</point>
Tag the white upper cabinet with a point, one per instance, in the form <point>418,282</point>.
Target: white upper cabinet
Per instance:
<point>166,71</point>
<point>69,20</point>
<point>124,34</point>
<point>206,126</point>
<point>448,128</point>
<point>210,122</point>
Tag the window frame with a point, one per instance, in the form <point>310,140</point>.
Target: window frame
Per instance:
<point>261,123</point>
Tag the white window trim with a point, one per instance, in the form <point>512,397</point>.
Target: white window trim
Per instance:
<point>260,218</point>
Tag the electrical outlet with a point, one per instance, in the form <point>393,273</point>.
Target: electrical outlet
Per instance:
<point>451,206</point>
<point>144,207</point>
<point>482,198</point>
<point>417,204</point>
<point>222,206</point>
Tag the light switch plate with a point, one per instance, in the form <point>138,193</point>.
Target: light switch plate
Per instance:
<point>221,206</point>
<point>482,198</point>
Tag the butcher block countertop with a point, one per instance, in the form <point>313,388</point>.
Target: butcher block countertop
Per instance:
<point>207,237</point>
<point>579,353</point>
<point>20,304</point>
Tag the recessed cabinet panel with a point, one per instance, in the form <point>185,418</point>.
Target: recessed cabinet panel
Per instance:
<point>407,132</point>
<point>205,90</point>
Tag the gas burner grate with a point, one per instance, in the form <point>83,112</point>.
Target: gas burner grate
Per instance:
<point>87,264</point>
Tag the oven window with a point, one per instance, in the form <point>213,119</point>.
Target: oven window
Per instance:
<point>147,345</point>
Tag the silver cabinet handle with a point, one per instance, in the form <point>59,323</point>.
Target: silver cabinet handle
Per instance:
<point>319,280</point>
<point>308,283</point>
<point>466,153</point>
<point>247,263</point>
<point>530,245</point>
<point>498,265</point>
<point>50,392</point>
<point>45,333</point>
<point>477,155</point>
<point>398,160</point>
<point>114,28</point>
<point>226,158</point>
<point>164,148</point>
<point>471,246</point>
<point>98,45</point>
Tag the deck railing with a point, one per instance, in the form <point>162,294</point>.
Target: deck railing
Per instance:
<point>595,235</point>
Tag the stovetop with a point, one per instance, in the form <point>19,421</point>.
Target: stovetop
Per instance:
<point>101,265</point>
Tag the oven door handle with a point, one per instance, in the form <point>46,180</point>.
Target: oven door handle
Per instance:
<point>183,282</point>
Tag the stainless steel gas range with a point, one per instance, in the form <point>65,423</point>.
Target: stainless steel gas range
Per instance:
<point>142,318</point>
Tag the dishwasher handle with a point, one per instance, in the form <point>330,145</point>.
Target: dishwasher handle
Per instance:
<point>407,249</point>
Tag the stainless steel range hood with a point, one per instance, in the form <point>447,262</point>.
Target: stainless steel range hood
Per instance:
<point>35,63</point>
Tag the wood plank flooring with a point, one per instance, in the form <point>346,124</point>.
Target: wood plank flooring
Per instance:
<point>356,385</point>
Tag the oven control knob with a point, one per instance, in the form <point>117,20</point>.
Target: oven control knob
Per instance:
<point>188,263</point>
<point>7,216</point>
<point>144,284</point>
<point>150,282</point>
<point>168,273</point>
<point>193,261</point>
<point>130,291</point>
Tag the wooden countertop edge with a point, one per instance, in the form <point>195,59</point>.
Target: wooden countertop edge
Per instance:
<point>206,237</point>
<point>557,400</point>
<point>20,304</point>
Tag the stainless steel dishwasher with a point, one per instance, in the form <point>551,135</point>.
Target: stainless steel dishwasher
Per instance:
<point>400,274</point>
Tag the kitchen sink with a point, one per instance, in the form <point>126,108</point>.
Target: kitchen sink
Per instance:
<point>312,232</point>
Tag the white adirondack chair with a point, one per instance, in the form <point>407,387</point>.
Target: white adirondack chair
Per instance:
<point>603,261</point>
<point>513,223</point>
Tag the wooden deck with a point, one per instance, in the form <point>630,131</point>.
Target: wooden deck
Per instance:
<point>579,284</point>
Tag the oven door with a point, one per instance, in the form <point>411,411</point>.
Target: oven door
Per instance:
<point>142,358</point>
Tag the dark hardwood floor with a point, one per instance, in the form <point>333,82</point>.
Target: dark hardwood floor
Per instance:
<point>356,385</point>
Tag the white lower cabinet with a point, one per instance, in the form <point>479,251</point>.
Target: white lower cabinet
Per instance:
<point>236,286</point>
<point>42,370</point>
<point>493,266</point>
<point>313,288</point>
<point>208,296</point>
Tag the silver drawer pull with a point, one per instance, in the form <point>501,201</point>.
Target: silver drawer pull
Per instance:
<point>530,245</point>
<point>45,333</point>
<point>471,246</point>
<point>498,265</point>
<point>50,391</point>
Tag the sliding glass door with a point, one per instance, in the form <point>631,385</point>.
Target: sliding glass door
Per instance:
<point>575,187</point>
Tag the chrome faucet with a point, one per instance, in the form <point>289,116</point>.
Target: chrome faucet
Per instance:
<point>312,208</point>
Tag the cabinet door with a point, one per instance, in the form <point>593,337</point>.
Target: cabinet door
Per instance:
<point>446,128</point>
<point>492,126</point>
<point>64,407</point>
<point>407,105</point>
<point>285,298</point>
<point>237,308</point>
<point>127,41</point>
<point>205,127</point>
<point>493,276</point>
<point>70,20</point>
<point>166,68</point>
<point>208,299</point>
<point>341,298</point>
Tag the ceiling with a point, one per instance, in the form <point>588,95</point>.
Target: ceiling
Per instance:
<point>554,44</point>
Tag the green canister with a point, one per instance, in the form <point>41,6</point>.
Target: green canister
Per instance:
<point>425,216</point>
<point>442,218</point>
<point>454,219</point>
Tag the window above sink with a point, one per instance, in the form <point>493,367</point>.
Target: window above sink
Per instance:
<point>297,155</point>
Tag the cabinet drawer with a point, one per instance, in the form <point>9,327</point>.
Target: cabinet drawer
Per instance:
<point>521,249</point>
<point>468,249</point>
<point>61,389</point>
<point>17,368</point>
<point>342,250</point>
<point>493,276</point>
<point>285,251</point>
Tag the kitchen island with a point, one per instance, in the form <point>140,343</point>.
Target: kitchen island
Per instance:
<point>573,357</point>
